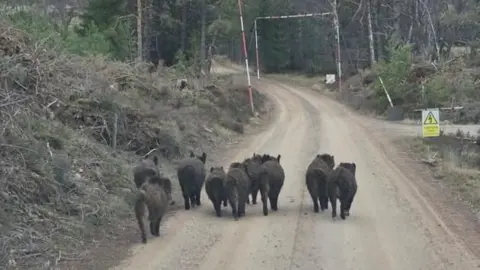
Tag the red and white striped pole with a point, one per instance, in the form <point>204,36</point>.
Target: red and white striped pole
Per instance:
<point>339,59</point>
<point>246,57</point>
<point>279,17</point>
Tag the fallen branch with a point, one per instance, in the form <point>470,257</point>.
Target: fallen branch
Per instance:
<point>18,147</point>
<point>13,102</point>
<point>149,152</point>
<point>207,129</point>
<point>50,104</point>
<point>430,162</point>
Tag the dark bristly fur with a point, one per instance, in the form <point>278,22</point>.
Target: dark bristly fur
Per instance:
<point>270,182</point>
<point>191,176</point>
<point>253,167</point>
<point>146,168</point>
<point>154,194</point>
<point>237,185</point>
<point>215,190</point>
<point>343,185</point>
<point>317,180</point>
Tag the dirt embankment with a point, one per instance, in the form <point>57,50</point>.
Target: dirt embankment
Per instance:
<point>454,161</point>
<point>71,128</point>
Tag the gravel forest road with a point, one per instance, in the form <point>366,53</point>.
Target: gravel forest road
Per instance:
<point>391,226</point>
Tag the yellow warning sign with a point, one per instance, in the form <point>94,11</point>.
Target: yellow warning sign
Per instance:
<point>430,119</point>
<point>430,123</point>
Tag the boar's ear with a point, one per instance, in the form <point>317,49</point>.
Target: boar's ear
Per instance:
<point>318,155</point>
<point>278,158</point>
<point>211,169</point>
<point>155,160</point>
<point>192,154</point>
<point>204,157</point>
<point>353,168</point>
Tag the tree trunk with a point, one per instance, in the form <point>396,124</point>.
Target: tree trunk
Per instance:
<point>210,53</point>
<point>203,36</point>
<point>337,34</point>
<point>379,39</point>
<point>432,33</point>
<point>183,42</point>
<point>148,49</point>
<point>139,31</point>
<point>370,33</point>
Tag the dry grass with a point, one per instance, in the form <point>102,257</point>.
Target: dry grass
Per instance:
<point>458,163</point>
<point>315,83</point>
<point>70,130</point>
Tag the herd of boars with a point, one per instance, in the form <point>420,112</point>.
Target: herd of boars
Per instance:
<point>259,173</point>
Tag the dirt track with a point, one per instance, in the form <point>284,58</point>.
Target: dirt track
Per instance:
<point>390,227</point>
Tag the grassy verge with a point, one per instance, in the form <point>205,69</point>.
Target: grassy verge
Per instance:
<point>72,127</point>
<point>412,84</point>
<point>454,160</point>
<point>313,82</point>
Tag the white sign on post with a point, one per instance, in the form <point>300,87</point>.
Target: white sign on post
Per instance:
<point>330,78</point>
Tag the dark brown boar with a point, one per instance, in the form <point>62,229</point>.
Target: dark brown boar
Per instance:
<point>215,190</point>
<point>146,168</point>
<point>316,178</point>
<point>253,167</point>
<point>342,186</point>
<point>154,193</point>
<point>191,176</point>
<point>236,186</point>
<point>270,182</point>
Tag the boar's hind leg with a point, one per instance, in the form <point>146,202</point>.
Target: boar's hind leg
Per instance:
<point>186,202</point>
<point>343,204</point>
<point>241,206</point>
<point>325,203</point>
<point>217,205</point>
<point>233,204</point>
<point>254,195</point>
<point>197,197</point>
<point>332,193</point>
<point>193,200</point>
<point>224,202</point>
<point>323,196</point>
<point>152,227</point>
<point>142,229</point>
<point>349,204</point>
<point>315,203</point>
<point>273,203</point>
<point>185,198</point>
<point>323,200</point>
<point>264,196</point>
<point>157,227</point>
